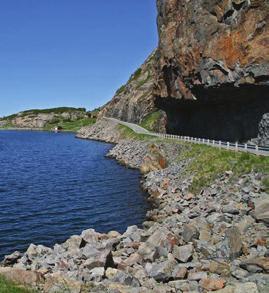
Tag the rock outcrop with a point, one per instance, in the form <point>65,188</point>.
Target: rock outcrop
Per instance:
<point>212,72</point>
<point>41,118</point>
<point>134,100</point>
<point>209,74</point>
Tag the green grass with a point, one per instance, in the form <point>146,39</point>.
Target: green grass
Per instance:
<point>209,162</point>
<point>9,287</point>
<point>71,125</point>
<point>151,120</point>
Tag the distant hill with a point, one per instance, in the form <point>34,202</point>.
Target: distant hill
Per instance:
<point>67,118</point>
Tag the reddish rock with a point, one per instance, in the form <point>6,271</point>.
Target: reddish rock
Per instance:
<point>211,284</point>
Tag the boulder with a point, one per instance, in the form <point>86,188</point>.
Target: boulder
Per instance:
<point>261,211</point>
<point>183,253</point>
<point>102,258</point>
<point>232,244</point>
<point>211,284</point>
<point>118,276</point>
<point>73,243</point>
<point>11,259</point>
<point>161,272</point>
<point>190,232</point>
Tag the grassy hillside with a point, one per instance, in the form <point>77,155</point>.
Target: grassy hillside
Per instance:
<point>58,110</point>
<point>58,120</point>
<point>71,125</point>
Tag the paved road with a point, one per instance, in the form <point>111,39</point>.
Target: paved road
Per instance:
<point>136,128</point>
<point>263,151</point>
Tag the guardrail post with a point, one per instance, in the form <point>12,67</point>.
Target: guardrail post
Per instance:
<point>213,142</point>
<point>245,146</point>
<point>228,145</point>
<point>236,146</point>
<point>208,141</point>
<point>219,143</point>
<point>257,148</point>
<point>203,140</point>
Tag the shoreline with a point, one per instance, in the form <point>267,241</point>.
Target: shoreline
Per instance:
<point>34,129</point>
<point>172,252</point>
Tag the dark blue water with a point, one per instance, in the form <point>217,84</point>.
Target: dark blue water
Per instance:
<point>53,186</point>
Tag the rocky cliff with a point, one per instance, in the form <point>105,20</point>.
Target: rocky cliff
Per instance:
<point>212,67</point>
<point>134,100</point>
<point>209,74</point>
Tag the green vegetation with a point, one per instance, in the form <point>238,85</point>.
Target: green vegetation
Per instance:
<point>58,110</point>
<point>120,90</point>
<point>137,73</point>
<point>150,121</point>
<point>9,287</point>
<point>70,125</point>
<point>209,162</point>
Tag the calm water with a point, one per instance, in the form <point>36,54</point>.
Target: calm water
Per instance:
<point>53,186</point>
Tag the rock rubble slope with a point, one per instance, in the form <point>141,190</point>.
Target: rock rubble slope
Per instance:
<point>215,240</point>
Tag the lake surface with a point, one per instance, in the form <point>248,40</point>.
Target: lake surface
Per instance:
<point>53,186</point>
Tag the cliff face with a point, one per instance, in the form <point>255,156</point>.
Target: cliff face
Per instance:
<point>135,100</point>
<point>211,43</point>
<point>212,71</point>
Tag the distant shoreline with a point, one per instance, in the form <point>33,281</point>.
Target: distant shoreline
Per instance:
<point>34,129</point>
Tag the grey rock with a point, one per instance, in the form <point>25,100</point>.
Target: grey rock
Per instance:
<point>262,210</point>
<point>183,253</point>
<point>101,259</point>
<point>190,232</point>
<point>118,276</point>
<point>11,259</point>
<point>232,244</point>
<point>73,243</point>
<point>196,276</point>
<point>161,272</point>
<point>148,251</point>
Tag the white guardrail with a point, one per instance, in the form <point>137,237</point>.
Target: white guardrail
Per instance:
<point>249,148</point>
<point>255,149</point>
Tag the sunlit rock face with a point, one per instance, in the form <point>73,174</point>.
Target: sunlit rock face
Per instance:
<point>212,67</point>
<point>134,101</point>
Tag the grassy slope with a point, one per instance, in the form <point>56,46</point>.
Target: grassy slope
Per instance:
<point>149,122</point>
<point>209,162</point>
<point>71,125</point>
<point>8,287</point>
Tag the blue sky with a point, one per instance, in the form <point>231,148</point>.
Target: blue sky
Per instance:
<point>70,52</point>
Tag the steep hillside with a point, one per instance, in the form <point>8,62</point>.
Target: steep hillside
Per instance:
<point>134,101</point>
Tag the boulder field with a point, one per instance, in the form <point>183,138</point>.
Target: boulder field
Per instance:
<point>213,240</point>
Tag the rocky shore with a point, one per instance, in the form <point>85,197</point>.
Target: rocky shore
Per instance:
<point>214,240</point>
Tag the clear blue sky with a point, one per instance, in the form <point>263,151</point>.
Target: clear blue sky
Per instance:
<point>70,52</point>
